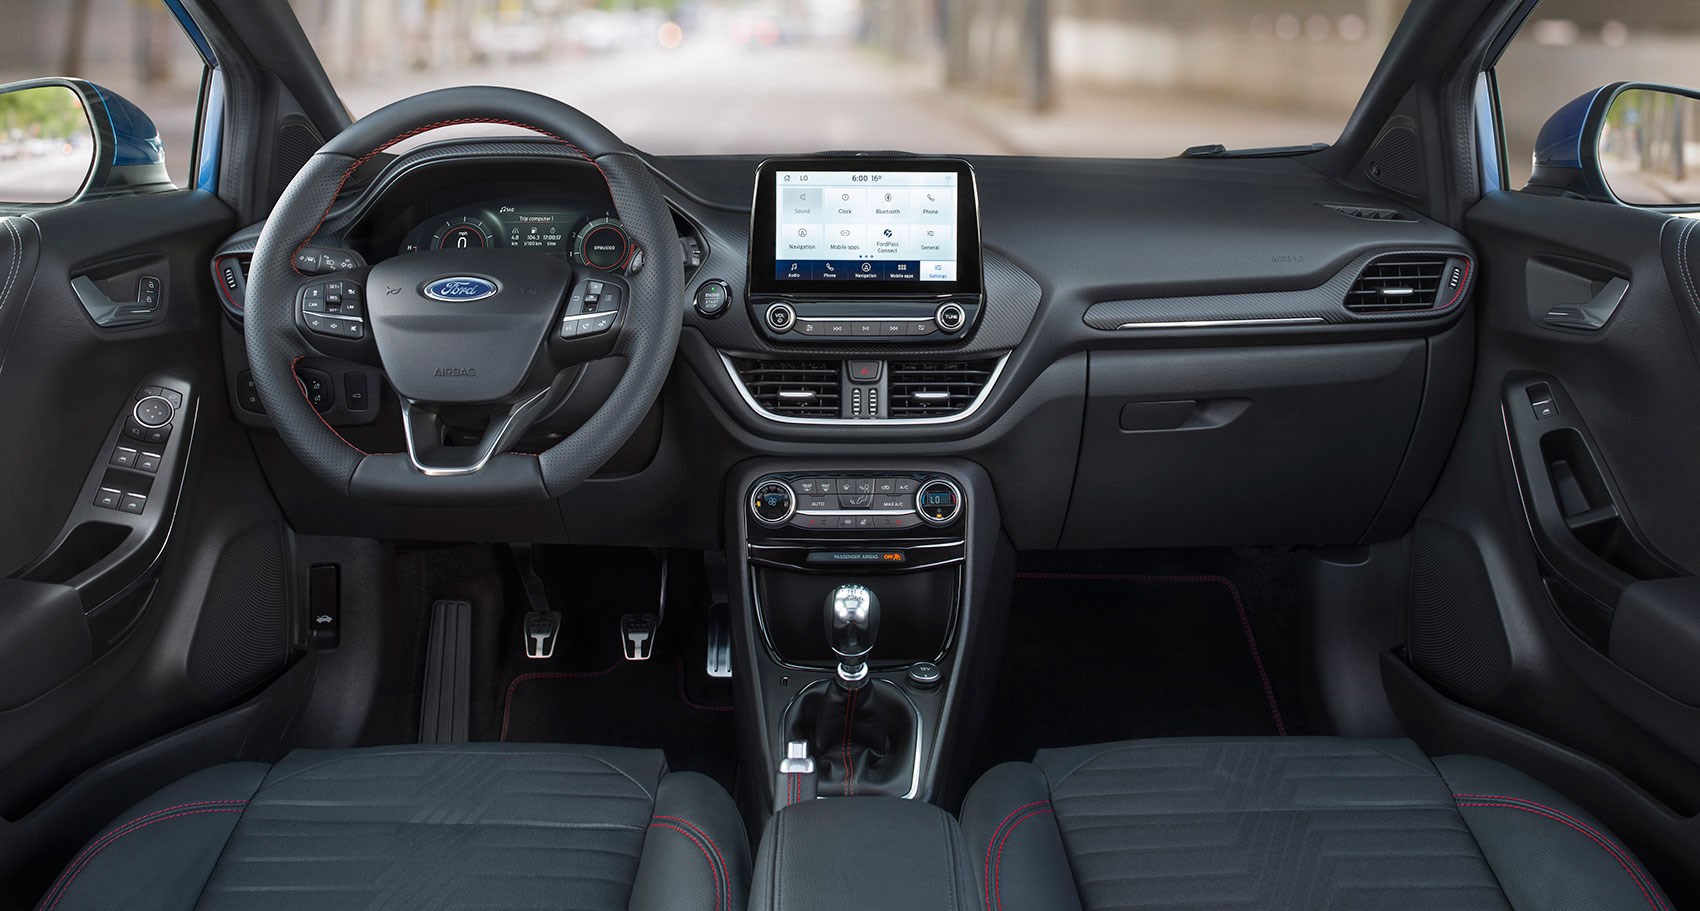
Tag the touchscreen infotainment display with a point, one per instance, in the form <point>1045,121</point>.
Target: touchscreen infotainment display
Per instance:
<point>865,226</point>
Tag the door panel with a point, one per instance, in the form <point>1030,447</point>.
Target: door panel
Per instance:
<point>1588,392</point>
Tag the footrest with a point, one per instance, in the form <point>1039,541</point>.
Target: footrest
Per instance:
<point>446,710</point>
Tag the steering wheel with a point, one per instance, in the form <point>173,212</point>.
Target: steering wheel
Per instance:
<point>478,337</point>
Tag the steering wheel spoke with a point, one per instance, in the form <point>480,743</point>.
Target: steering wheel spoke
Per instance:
<point>429,429</point>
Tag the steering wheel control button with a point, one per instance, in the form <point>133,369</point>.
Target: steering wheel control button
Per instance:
<point>712,298</point>
<point>319,390</point>
<point>951,317</point>
<point>939,502</point>
<point>153,411</point>
<point>780,317</point>
<point>246,395</point>
<point>335,309</point>
<point>773,503</point>
<point>354,391</point>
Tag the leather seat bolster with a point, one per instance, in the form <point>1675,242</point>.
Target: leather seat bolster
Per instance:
<point>696,854</point>
<point>853,854</point>
<point>161,852</point>
<point>1547,852</point>
<point>1014,844</point>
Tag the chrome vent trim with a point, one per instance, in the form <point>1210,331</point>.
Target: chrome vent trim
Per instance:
<point>925,389</point>
<point>731,365</point>
<point>798,389</point>
<point>1400,282</point>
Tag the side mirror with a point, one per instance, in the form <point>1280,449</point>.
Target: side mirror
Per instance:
<point>1628,142</point>
<point>63,139</point>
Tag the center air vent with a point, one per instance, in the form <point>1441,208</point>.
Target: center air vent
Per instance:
<point>1406,281</point>
<point>924,389</point>
<point>798,389</point>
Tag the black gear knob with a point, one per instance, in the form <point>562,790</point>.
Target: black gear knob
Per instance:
<point>852,623</point>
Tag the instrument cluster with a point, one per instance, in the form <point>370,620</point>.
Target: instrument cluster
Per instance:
<point>556,226</point>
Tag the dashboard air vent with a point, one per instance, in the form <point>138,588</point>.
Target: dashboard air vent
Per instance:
<point>924,389</point>
<point>1368,213</point>
<point>797,389</point>
<point>1403,282</point>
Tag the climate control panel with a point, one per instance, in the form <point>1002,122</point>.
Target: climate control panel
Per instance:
<point>864,503</point>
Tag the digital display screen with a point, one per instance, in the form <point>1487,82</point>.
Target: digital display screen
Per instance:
<point>865,226</point>
<point>545,231</point>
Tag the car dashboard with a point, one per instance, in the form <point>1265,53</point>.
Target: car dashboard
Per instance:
<point>1139,353</point>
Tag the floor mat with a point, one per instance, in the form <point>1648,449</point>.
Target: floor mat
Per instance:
<point>588,692</point>
<point>1094,656</point>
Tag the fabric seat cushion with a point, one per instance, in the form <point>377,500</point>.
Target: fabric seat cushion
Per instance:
<point>1275,823</point>
<point>468,825</point>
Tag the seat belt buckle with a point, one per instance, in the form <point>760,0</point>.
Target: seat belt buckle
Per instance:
<point>798,780</point>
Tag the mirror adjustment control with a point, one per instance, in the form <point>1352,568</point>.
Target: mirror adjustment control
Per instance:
<point>153,411</point>
<point>773,502</point>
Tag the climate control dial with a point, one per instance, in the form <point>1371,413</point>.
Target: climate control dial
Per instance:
<point>773,502</point>
<point>939,502</point>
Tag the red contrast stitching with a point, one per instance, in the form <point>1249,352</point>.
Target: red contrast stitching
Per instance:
<point>994,840</point>
<point>997,870</point>
<point>713,871</point>
<point>134,825</point>
<point>508,703</point>
<point>1239,606</point>
<point>849,768</point>
<point>1648,891</point>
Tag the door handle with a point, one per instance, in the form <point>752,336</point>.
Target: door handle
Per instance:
<point>110,314</point>
<point>1591,316</point>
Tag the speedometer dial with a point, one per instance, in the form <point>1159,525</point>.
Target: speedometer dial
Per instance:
<point>464,233</point>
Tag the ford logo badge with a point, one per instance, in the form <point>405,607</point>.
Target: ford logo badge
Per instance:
<point>460,288</point>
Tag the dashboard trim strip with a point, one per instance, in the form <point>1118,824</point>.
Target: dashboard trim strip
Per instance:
<point>1223,323</point>
<point>966,413</point>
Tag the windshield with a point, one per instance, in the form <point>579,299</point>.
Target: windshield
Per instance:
<point>1109,78</point>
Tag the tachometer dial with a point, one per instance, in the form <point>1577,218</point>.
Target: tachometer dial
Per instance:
<point>465,233</point>
<point>601,244</point>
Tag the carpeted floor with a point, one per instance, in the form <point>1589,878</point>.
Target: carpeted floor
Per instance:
<point>1105,647</point>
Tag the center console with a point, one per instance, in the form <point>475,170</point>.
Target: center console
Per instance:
<point>864,594</point>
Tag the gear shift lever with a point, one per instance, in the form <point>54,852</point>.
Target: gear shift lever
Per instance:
<point>852,622</point>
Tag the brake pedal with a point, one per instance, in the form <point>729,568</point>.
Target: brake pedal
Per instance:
<point>542,628</point>
<point>637,635</point>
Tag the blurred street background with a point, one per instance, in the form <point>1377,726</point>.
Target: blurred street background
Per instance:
<point>1124,78</point>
